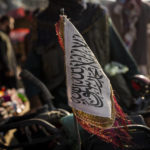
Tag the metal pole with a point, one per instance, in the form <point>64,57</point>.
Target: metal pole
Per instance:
<point>77,132</point>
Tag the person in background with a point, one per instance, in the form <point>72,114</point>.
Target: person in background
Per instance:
<point>131,18</point>
<point>8,64</point>
<point>46,59</point>
<point>24,24</point>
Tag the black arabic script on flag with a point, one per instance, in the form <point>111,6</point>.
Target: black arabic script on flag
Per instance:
<point>86,76</point>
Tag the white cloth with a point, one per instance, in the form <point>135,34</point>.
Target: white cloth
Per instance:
<point>88,88</point>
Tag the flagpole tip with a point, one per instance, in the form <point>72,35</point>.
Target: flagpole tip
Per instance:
<point>62,11</point>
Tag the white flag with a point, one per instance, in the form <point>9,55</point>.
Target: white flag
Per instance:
<point>88,87</point>
<point>89,90</point>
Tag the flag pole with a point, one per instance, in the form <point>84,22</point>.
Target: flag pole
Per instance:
<point>77,132</point>
<point>62,11</point>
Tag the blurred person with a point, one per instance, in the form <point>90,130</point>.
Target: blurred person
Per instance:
<point>24,24</point>
<point>131,18</point>
<point>7,56</point>
<point>46,60</point>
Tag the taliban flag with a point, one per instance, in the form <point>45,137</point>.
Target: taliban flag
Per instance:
<point>89,90</point>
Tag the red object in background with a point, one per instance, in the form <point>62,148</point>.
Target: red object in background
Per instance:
<point>17,13</point>
<point>136,86</point>
<point>141,84</point>
<point>19,34</point>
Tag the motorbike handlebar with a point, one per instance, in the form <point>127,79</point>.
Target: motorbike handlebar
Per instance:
<point>46,93</point>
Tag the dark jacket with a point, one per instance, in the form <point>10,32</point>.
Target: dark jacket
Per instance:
<point>47,58</point>
<point>7,62</point>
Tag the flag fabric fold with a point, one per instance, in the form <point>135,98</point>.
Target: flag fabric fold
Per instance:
<point>89,90</point>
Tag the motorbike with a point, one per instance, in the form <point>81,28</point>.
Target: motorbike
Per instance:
<point>51,128</point>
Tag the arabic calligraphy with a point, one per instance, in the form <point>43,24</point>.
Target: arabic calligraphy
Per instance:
<point>86,76</point>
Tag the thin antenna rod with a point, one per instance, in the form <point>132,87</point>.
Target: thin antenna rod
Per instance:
<point>77,133</point>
